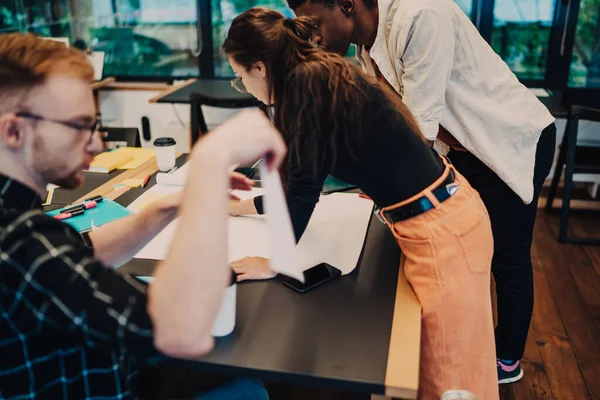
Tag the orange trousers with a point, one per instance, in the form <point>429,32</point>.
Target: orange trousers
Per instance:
<point>447,257</point>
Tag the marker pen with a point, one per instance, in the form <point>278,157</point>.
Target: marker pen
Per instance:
<point>63,216</point>
<point>97,199</point>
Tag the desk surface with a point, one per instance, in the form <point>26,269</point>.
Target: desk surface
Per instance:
<point>337,336</point>
<point>217,90</point>
<point>62,197</point>
<point>360,332</point>
<point>103,184</point>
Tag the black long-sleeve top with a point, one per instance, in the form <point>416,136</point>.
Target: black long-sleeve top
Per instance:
<point>392,163</point>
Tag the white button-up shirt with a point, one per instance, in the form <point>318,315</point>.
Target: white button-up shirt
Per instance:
<point>432,54</point>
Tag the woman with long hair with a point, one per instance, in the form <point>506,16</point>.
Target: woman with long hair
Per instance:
<point>337,121</point>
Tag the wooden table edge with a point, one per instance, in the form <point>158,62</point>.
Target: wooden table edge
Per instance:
<point>102,83</point>
<point>173,89</point>
<point>137,86</point>
<point>402,372</point>
<point>107,189</point>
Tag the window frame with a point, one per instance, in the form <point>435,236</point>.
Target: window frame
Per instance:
<point>558,63</point>
<point>554,77</point>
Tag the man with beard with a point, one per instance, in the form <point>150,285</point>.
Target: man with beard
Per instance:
<point>70,326</point>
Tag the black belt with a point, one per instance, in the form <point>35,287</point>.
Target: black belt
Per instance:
<point>442,192</point>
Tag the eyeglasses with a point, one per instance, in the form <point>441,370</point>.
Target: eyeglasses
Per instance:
<point>69,124</point>
<point>238,84</point>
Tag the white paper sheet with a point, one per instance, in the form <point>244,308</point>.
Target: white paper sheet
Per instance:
<point>335,234</point>
<point>280,235</point>
<point>242,239</point>
<point>248,194</point>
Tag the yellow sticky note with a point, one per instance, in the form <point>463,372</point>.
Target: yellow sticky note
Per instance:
<point>108,161</point>
<point>133,182</point>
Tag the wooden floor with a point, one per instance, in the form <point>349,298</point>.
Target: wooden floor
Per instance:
<point>562,358</point>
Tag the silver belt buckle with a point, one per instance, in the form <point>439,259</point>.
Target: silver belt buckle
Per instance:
<point>452,188</point>
<point>379,216</point>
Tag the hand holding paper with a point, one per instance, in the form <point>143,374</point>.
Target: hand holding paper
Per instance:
<point>280,235</point>
<point>280,242</point>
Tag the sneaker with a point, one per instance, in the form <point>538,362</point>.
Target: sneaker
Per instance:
<point>509,373</point>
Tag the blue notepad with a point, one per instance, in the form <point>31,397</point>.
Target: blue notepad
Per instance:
<point>106,211</point>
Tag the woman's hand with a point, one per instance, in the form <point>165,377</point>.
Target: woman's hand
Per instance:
<point>234,206</point>
<point>252,268</point>
<point>240,181</point>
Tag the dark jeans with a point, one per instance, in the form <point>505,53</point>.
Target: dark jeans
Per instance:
<point>166,382</point>
<point>512,226</point>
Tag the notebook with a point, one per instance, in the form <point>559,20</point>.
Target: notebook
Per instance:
<point>106,211</point>
<point>109,161</point>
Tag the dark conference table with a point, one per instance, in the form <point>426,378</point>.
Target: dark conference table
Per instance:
<point>359,333</point>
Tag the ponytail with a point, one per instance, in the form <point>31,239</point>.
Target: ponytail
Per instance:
<point>301,27</point>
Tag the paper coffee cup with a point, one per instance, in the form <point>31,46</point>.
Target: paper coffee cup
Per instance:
<point>225,322</point>
<point>165,153</point>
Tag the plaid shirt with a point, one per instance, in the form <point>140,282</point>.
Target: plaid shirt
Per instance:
<point>70,328</point>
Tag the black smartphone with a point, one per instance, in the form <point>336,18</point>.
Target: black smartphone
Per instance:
<point>313,277</point>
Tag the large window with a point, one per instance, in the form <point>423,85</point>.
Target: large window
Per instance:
<point>585,64</point>
<point>521,34</point>
<point>9,17</point>
<point>552,42</point>
<point>43,17</point>
<point>140,38</point>
<point>145,37</point>
<point>223,12</point>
